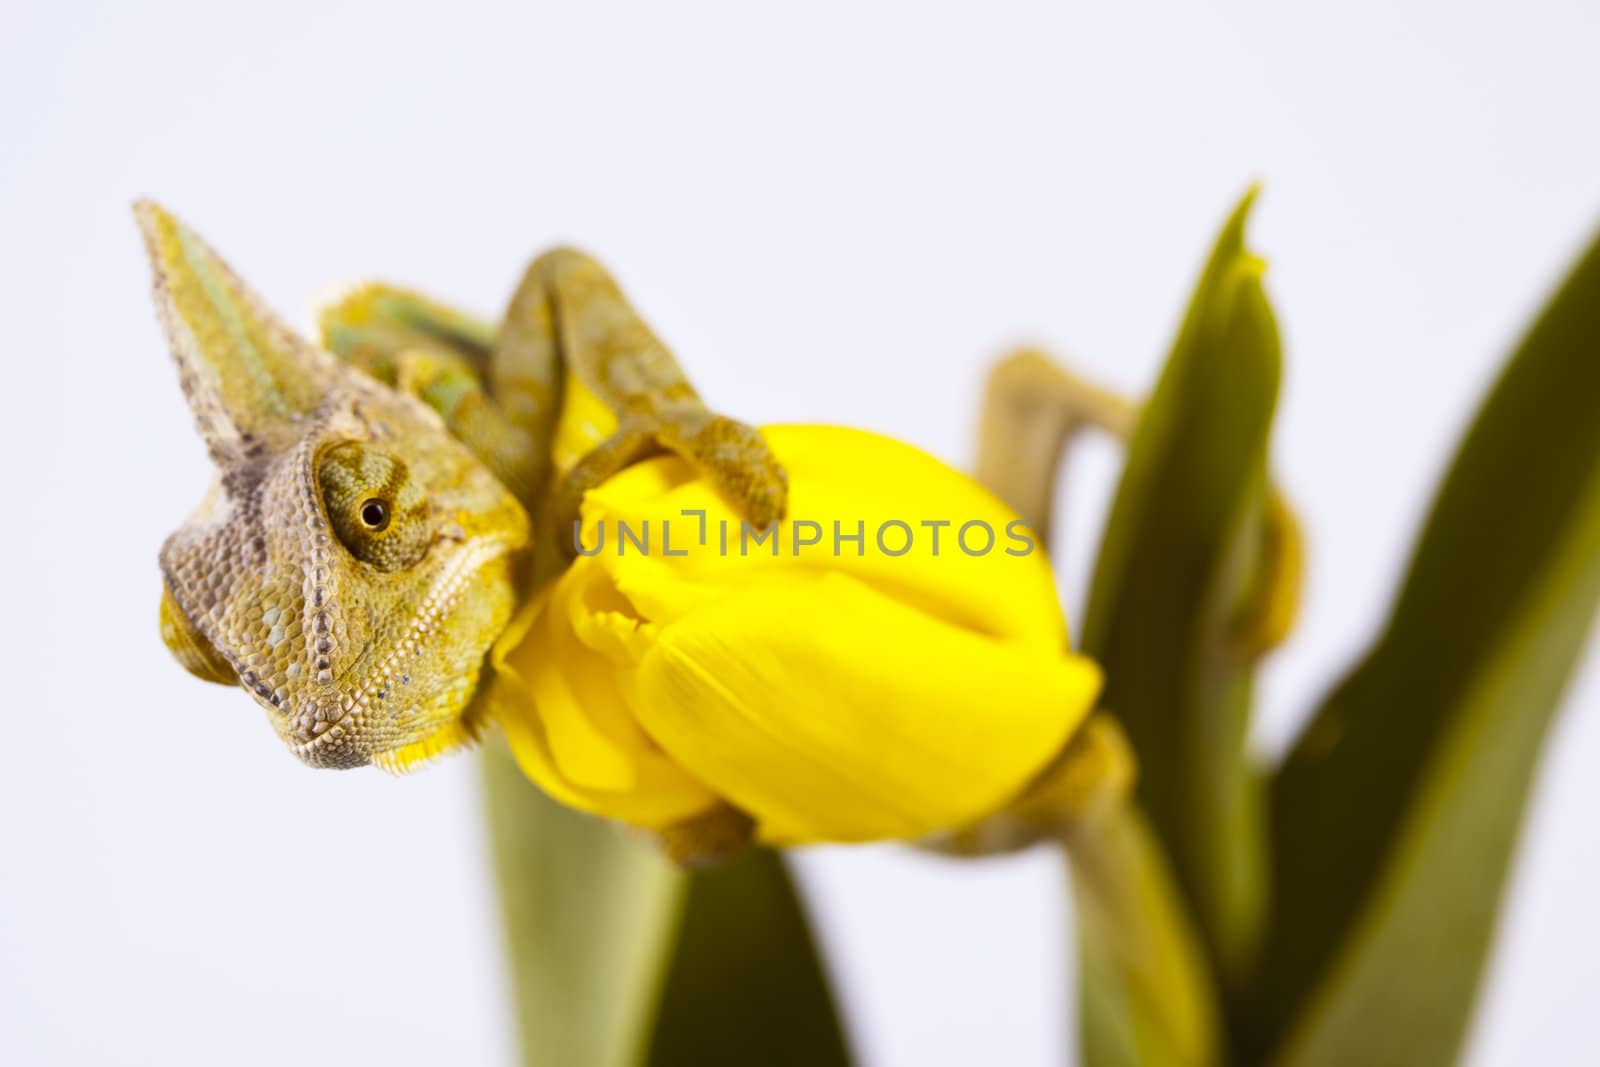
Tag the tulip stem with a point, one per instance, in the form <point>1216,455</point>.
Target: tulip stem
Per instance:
<point>1147,996</point>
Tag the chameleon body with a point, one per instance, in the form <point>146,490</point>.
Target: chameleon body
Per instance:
<point>375,518</point>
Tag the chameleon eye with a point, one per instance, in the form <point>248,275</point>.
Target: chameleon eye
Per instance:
<point>375,507</point>
<point>375,515</point>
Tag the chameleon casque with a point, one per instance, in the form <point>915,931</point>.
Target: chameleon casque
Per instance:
<point>379,507</point>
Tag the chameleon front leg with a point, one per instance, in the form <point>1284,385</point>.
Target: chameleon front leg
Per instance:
<point>501,392</point>
<point>569,309</point>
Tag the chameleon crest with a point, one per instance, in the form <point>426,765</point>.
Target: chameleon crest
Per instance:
<point>352,561</point>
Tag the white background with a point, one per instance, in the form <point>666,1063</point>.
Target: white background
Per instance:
<point>836,218</point>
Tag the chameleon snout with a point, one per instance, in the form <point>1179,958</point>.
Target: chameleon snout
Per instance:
<point>318,719</point>
<point>322,734</point>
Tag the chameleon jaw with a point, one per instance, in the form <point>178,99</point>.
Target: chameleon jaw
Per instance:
<point>353,722</point>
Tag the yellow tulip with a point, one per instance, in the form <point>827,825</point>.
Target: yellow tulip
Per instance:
<point>888,662</point>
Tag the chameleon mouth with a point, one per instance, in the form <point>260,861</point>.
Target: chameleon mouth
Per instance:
<point>348,725</point>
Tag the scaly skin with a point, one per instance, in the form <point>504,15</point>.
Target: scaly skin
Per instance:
<point>367,534</point>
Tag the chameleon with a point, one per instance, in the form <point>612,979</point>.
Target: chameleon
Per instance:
<point>378,510</point>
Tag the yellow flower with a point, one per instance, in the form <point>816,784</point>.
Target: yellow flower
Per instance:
<point>888,662</point>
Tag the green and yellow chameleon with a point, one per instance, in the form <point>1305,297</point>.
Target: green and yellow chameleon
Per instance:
<point>368,532</point>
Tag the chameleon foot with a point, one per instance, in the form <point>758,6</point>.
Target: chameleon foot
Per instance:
<point>730,454</point>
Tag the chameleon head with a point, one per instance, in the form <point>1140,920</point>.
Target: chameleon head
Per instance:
<point>352,562</point>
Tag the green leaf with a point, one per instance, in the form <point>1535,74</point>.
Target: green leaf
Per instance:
<point>746,985</point>
<point>1146,996</point>
<point>1178,571</point>
<point>1396,814</point>
<point>620,959</point>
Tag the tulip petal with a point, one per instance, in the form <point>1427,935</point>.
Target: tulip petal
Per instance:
<point>831,712</point>
<point>567,717</point>
<point>966,559</point>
